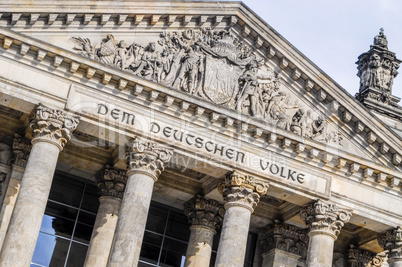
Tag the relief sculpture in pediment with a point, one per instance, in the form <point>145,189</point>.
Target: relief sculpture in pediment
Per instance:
<point>214,65</point>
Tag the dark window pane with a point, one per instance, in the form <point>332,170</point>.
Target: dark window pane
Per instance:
<point>213,259</point>
<point>174,245</point>
<point>170,258</point>
<point>250,250</point>
<point>157,216</point>
<point>58,220</point>
<point>173,253</point>
<point>77,254</point>
<point>178,226</point>
<point>151,246</point>
<point>50,250</point>
<point>67,190</point>
<point>90,202</point>
<point>83,230</point>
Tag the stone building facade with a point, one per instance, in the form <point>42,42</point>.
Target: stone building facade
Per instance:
<point>184,133</point>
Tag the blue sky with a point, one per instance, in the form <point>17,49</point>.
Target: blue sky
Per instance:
<point>333,34</point>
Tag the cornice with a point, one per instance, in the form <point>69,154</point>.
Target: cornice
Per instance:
<point>78,67</point>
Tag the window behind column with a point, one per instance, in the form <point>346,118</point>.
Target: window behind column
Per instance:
<point>68,222</point>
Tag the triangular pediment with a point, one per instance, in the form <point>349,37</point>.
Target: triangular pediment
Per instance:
<point>231,59</point>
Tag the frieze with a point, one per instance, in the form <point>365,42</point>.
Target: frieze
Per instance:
<point>214,65</point>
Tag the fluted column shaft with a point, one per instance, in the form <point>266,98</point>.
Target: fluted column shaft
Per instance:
<point>146,161</point>
<point>111,183</point>
<point>205,217</point>
<point>392,241</point>
<point>325,221</point>
<point>51,130</point>
<point>241,193</point>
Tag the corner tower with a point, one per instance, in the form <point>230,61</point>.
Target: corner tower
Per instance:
<point>377,70</point>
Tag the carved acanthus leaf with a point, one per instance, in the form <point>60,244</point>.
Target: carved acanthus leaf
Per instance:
<point>324,217</point>
<point>147,157</point>
<point>21,149</point>
<point>392,241</point>
<point>242,190</point>
<point>364,258</point>
<point>285,237</point>
<point>111,182</point>
<point>205,212</point>
<point>52,126</point>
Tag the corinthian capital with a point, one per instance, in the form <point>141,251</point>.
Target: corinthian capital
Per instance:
<point>53,126</point>
<point>240,189</point>
<point>359,257</point>
<point>325,218</point>
<point>111,182</point>
<point>284,237</point>
<point>392,241</point>
<point>204,212</point>
<point>147,157</point>
<point>21,149</point>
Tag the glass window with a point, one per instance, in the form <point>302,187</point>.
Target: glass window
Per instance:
<point>67,224</point>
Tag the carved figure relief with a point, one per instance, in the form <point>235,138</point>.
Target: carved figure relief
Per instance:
<point>214,65</point>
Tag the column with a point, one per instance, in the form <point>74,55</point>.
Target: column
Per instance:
<point>325,221</point>
<point>205,217</point>
<point>241,192</point>
<point>21,149</point>
<point>51,129</point>
<point>283,244</point>
<point>392,241</point>
<point>360,257</point>
<point>146,160</point>
<point>111,183</point>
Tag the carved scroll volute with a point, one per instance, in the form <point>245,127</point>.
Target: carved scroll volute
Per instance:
<point>325,218</point>
<point>204,212</point>
<point>111,182</point>
<point>53,126</point>
<point>147,157</point>
<point>285,237</point>
<point>242,190</point>
<point>21,149</point>
<point>392,241</point>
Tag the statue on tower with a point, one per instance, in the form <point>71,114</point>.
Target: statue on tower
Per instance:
<point>377,70</point>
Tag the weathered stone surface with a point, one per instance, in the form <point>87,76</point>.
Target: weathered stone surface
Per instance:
<point>364,258</point>
<point>325,221</point>
<point>241,193</point>
<point>111,182</point>
<point>146,160</point>
<point>50,131</point>
<point>241,189</point>
<point>392,241</point>
<point>284,237</point>
<point>324,218</point>
<point>103,232</point>
<point>51,125</point>
<point>205,212</point>
<point>205,216</point>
